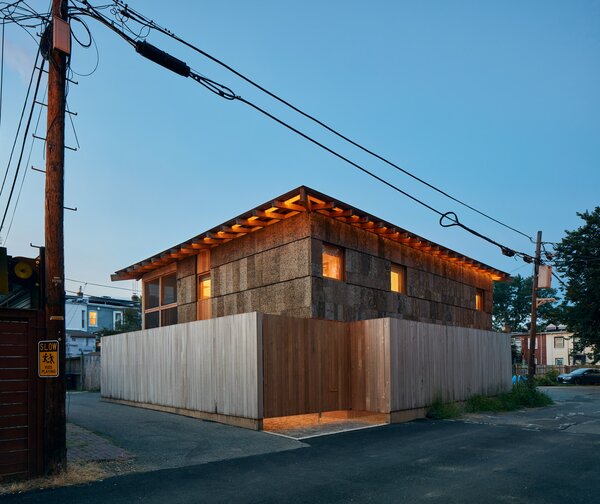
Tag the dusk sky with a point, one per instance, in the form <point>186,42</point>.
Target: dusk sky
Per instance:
<point>496,103</point>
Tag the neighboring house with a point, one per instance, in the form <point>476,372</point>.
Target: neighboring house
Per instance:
<point>86,315</point>
<point>308,255</point>
<point>553,347</point>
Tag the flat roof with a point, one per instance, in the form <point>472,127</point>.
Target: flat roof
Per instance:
<point>301,199</point>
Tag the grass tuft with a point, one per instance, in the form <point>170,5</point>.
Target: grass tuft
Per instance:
<point>443,411</point>
<point>521,396</point>
<point>76,474</point>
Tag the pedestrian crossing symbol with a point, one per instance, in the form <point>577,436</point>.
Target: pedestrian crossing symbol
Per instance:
<point>48,359</point>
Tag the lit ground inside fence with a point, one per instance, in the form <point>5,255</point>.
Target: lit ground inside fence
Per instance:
<point>322,424</point>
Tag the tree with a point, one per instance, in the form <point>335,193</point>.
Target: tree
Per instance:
<point>132,321</point>
<point>578,261</point>
<point>512,306</point>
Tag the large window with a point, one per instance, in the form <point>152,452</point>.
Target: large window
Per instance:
<point>160,301</point>
<point>398,279</point>
<point>559,342</point>
<point>93,318</point>
<point>333,262</point>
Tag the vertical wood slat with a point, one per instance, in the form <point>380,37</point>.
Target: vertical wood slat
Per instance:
<point>210,366</point>
<point>20,394</point>
<point>306,366</point>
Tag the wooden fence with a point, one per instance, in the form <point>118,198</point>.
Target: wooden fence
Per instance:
<point>210,369</point>
<point>252,366</point>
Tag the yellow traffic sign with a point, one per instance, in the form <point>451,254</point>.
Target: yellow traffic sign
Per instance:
<point>48,358</point>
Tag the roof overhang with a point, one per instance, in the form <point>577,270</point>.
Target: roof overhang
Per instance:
<point>301,199</point>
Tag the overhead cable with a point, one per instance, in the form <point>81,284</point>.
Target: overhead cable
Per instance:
<point>128,12</point>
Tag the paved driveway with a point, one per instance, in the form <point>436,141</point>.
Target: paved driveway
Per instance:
<point>529,457</point>
<point>162,440</point>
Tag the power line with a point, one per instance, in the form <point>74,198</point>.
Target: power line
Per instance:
<point>37,85</point>
<point>24,174</point>
<point>20,122</point>
<point>102,285</point>
<point>127,12</point>
<point>181,68</point>
<point>2,70</point>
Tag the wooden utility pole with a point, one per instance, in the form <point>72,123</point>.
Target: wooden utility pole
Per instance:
<point>54,439</point>
<point>536,271</point>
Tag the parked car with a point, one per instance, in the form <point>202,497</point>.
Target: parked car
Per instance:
<point>583,376</point>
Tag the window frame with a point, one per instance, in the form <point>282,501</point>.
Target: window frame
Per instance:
<point>115,313</point>
<point>160,274</point>
<point>95,324</point>
<point>562,341</point>
<point>203,304</point>
<point>402,278</point>
<point>342,258</point>
<point>479,299</point>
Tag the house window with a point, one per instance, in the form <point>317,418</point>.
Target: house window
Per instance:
<point>559,342</point>
<point>83,319</point>
<point>93,318</point>
<point>398,278</point>
<point>204,295</point>
<point>160,301</point>
<point>117,318</point>
<point>559,362</point>
<point>333,260</point>
<point>479,298</point>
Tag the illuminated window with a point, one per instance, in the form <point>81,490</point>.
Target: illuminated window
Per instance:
<point>93,318</point>
<point>559,342</point>
<point>479,297</point>
<point>333,259</point>
<point>160,301</point>
<point>398,278</point>
<point>204,295</point>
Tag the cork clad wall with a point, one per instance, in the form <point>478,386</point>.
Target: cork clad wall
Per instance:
<point>278,270</point>
<point>268,271</point>
<point>437,290</point>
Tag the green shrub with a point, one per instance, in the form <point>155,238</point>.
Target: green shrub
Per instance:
<point>522,395</point>
<point>547,379</point>
<point>441,411</point>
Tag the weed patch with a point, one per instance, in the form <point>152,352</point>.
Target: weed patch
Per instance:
<point>521,396</point>
<point>442,411</point>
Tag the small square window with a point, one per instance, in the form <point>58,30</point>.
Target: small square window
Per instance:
<point>333,262</point>
<point>204,291</point>
<point>559,362</point>
<point>479,299</point>
<point>398,279</point>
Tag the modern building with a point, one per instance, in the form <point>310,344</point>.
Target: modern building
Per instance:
<point>306,305</point>
<point>308,255</point>
<point>86,315</point>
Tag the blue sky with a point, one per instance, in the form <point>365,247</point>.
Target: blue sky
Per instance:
<point>497,103</point>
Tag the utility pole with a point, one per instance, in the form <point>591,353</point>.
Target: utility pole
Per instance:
<point>536,271</point>
<point>54,423</point>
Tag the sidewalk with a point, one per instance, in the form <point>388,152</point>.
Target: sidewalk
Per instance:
<point>85,446</point>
